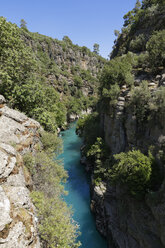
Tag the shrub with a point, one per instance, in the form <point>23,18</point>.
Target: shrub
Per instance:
<point>110,96</point>
<point>89,126</point>
<point>156,49</point>
<point>139,101</point>
<point>132,169</point>
<point>78,81</point>
<point>29,162</point>
<point>142,60</point>
<point>51,143</point>
<point>97,154</point>
<point>118,71</point>
<point>138,44</point>
<point>56,227</point>
<point>157,105</point>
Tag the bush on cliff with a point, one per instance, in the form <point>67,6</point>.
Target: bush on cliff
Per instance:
<point>56,226</point>
<point>88,126</point>
<point>132,169</point>
<point>156,49</point>
<point>139,101</point>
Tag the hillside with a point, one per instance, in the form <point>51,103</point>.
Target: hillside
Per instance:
<point>47,79</point>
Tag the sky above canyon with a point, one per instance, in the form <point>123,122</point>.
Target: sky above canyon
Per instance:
<point>85,22</point>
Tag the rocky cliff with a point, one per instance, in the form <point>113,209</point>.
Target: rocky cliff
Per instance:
<point>125,221</point>
<point>18,134</point>
<point>70,60</point>
<point>132,117</point>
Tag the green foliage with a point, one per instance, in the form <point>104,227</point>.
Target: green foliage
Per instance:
<point>32,81</point>
<point>110,96</point>
<point>138,44</point>
<point>147,106</point>
<point>118,71</point>
<point>139,101</point>
<point>56,227</point>
<point>132,169</point>
<point>29,162</point>
<point>16,59</point>
<point>88,126</point>
<point>51,143</point>
<point>75,105</point>
<point>78,81</point>
<point>156,49</point>
<point>96,48</point>
<point>40,102</point>
<point>128,18</point>
<point>23,24</point>
<point>97,154</point>
<point>157,105</point>
<point>67,40</point>
<point>149,3</point>
<point>142,60</point>
<point>116,33</point>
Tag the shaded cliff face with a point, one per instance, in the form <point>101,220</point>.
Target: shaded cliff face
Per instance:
<point>129,222</point>
<point>18,134</point>
<point>132,114</point>
<point>123,131</point>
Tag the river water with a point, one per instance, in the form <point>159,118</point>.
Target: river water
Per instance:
<point>79,190</point>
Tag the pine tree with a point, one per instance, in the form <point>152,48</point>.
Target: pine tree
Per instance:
<point>96,48</point>
<point>23,24</point>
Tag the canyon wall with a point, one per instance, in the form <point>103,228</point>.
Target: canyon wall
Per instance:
<point>125,221</point>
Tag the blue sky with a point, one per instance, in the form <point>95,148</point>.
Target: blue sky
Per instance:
<point>85,21</point>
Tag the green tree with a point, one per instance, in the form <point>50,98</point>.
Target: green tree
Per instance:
<point>23,24</point>
<point>16,59</point>
<point>156,49</point>
<point>132,169</point>
<point>139,101</point>
<point>116,33</point>
<point>137,6</point>
<point>67,40</point>
<point>96,48</point>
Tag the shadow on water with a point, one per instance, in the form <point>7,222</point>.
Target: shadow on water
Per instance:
<point>79,191</point>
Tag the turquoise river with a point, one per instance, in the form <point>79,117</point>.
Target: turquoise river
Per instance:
<point>79,190</point>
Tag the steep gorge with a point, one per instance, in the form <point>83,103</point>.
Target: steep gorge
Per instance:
<point>132,117</point>
<point>128,222</point>
<point>57,81</point>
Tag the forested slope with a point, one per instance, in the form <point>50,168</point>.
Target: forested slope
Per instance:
<point>46,78</point>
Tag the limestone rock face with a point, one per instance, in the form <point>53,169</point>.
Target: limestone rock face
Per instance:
<point>18,134</point>
<point>125,221</point>
<point>4,210</point>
